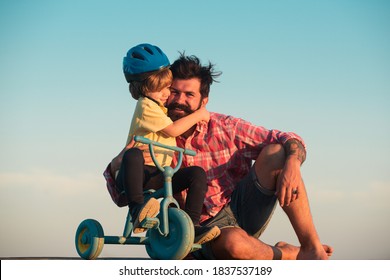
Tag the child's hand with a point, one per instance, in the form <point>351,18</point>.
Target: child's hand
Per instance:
<point>204,114</point>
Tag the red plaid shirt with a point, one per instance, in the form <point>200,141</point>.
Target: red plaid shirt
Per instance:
<point>225,148</point>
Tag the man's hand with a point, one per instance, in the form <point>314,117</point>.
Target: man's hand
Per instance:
<point>289,181</point>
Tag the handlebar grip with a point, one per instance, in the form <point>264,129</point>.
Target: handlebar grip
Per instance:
<point>189,152</point>
<point>147,141</point>
<point>142,140</point>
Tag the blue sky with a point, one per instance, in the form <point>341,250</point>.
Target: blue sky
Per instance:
<point>318,68</point>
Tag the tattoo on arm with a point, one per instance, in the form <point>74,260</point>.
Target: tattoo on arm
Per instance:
<point>294,147</point>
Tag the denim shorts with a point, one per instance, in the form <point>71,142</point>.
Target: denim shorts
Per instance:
<point>250,208</point>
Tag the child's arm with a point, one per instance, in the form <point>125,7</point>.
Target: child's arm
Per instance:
<point>182,125</point>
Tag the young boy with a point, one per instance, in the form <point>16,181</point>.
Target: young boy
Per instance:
<point>146,68</point>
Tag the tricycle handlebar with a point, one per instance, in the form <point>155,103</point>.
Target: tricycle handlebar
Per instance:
<point>154,143</point>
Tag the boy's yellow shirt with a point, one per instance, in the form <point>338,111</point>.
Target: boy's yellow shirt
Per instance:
<point>148,119</point>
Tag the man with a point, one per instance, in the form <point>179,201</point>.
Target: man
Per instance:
<point>241,197</point>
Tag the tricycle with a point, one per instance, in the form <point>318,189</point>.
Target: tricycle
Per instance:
<point>169,235</point>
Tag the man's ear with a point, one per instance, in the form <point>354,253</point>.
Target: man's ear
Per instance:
<point>204,101</point>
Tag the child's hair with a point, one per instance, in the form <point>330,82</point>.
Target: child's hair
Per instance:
<point>156,81</point>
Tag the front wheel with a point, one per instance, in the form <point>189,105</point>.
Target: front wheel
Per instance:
<point>89,239</point>
<point>179,241</point>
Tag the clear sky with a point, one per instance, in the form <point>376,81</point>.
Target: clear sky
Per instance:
<point>318,68</point>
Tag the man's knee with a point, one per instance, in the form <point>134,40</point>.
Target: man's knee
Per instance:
<point>269,164</point>
<point>273,155</point>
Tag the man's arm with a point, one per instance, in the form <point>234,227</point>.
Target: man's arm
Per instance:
<point>294,148</point>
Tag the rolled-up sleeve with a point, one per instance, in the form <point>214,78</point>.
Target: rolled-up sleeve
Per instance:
<point>248,134</point>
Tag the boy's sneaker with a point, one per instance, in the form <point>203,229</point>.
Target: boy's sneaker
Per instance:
<point>205,234</point>
<point>148,210</point>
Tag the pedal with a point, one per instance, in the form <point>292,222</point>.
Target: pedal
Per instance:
<point>195,247</point>
<point>150,223</point>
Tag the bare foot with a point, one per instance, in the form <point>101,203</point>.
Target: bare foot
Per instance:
<point>291,252</point>
<point>315,254</point>
<point>328,250</point>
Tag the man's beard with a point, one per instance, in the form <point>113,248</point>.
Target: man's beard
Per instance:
<point>186,110</point>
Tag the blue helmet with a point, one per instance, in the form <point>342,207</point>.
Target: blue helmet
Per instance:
<point>142,59</point>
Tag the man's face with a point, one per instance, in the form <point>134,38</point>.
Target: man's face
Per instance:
<point>185,98</point>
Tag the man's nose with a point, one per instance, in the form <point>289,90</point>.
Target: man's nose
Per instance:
<point>180,98</point>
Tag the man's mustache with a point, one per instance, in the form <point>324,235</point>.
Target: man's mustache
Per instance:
<point>183,107</point>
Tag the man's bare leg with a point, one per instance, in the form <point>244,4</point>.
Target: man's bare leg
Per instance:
<point>268,167</point>
<point>235,243</point>
<point>283,246</point>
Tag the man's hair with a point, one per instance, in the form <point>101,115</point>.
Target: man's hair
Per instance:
<point>188,67</point>
<point>156,81</point>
